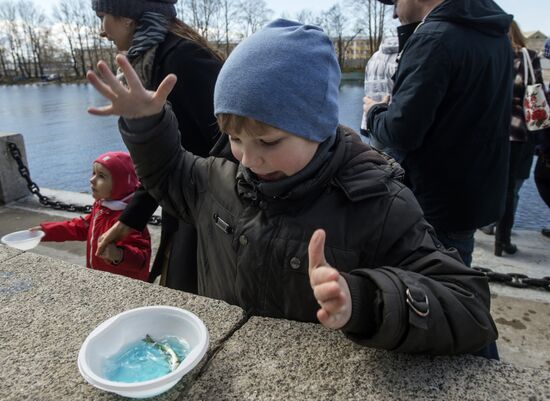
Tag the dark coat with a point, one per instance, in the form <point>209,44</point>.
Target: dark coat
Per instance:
<point>193,104</point>
<point>193,101</point>
<point>252,248</point>
<point>450,113</point>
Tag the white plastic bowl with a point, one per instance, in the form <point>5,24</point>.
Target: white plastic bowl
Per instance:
<point>23,240</point>
<point>127,327</point>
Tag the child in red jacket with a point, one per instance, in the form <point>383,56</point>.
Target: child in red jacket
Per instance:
<point>113,184</point>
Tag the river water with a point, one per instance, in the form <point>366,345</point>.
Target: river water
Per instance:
<point>62,139</point>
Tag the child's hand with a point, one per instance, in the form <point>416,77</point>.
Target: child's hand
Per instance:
<point>117,232</point>
<point>330,289</point>
<point>35,228</point>
<point>112,254</point>
<point>133,101</point>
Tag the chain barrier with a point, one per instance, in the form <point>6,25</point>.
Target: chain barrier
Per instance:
<point>515,279</point>
<point>44,200</point>
<point>512,279</point>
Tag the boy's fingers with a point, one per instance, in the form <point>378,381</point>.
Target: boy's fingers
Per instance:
<point>100,86</point>
<point>165,87</point>
<point>101,111</point>
<point>328,320</point>
<point>316,250</point>
<point>112,82</point>
<point>333,306</point>
<point>134,83</point>
<point>323,274</point>
<point>327,291</point>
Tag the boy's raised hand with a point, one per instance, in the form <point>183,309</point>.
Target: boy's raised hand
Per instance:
<point>330,289</point>
<point>132,101</point>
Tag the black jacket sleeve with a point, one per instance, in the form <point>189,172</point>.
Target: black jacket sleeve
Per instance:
<point>421,83</point>
<point>425,299</point>
<point>192,102</point>
<point>139,210</point>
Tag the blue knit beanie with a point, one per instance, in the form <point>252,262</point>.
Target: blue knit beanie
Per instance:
<point>285,75</point>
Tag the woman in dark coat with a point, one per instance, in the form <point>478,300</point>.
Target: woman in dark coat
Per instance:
<point>157,44</point>
<point>522,143</point>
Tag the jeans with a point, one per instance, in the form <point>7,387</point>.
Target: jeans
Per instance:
<point>462,241</point>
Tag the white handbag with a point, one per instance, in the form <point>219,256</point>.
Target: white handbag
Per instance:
<point>535,106</point>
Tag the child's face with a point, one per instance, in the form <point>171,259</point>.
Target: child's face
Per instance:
<point>101,182</point>
<point>270,153</point>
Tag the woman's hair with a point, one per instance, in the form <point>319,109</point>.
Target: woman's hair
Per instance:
<point>181,29</point>
<point>516,37</point>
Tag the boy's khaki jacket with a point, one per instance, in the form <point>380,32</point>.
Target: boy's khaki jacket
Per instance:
<point>409,293</point>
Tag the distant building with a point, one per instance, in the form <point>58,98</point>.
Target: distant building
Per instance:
<point>357,51</point>
<point>535,40</point>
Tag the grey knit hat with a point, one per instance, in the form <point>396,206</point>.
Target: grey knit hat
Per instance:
<point>135,8</point>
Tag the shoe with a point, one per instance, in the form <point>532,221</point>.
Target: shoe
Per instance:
<point>545,232</point>
<point>489,229</point>
<point>509,248</point>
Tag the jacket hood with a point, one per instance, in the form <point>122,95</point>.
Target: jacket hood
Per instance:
<point>122,171</point>
<point>483,15</point>
<point>390,45</point>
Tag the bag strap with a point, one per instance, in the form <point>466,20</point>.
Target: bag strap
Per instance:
<point>527,64</point>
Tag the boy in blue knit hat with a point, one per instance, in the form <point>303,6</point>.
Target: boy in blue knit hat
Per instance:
<point>296,217</point>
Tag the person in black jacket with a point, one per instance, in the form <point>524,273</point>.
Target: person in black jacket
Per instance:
<point>450,114</point>
<point>157,44</point>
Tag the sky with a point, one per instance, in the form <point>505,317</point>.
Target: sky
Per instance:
<point>531,15</point>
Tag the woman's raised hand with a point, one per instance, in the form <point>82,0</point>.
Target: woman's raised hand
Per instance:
<point>132,101</point>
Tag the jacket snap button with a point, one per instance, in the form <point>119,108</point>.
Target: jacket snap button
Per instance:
<point>243,240</point>
<point>295,263</point>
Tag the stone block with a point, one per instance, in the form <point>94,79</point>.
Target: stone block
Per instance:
<point>48,309</point>
<point>268,359</point>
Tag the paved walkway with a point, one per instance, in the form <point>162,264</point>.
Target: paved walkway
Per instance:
<point>522,315</point>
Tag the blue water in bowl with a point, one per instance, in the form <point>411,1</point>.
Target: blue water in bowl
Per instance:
<point>141,361</point>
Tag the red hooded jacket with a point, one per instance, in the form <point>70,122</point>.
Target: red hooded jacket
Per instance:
<point>136,247</point>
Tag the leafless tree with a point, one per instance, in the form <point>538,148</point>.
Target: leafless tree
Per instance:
<point>201,14</point>
<point>15,39</point>
<point>306,16</point>
<point>254,14</point>
<point>78,23</point>
<point>336,23</point>
<point>33,25</point>
<point>3,63</point>
<point>371,15</point>
<point>229,13</point>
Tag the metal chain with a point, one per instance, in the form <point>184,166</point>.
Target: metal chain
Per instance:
<point>515,279</point>
<point>512,279</point>
<point>44,200</point>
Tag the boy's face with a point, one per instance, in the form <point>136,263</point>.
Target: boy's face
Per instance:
<point>101,182</point>
<point>270,153</point>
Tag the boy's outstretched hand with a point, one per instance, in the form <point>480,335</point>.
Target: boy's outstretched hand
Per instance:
<point>132,101</point>
<point>330,289</point>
